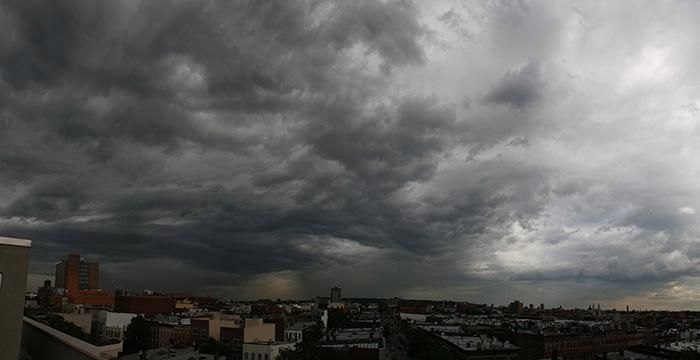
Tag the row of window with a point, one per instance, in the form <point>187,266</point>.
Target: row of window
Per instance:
<point>252,356</point>
<point>293,336</point>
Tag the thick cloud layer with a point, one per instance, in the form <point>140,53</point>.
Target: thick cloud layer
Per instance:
<point>536,150</point>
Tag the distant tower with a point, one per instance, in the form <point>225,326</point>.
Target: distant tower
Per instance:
<point>336,294</point>
<point>74,273</point>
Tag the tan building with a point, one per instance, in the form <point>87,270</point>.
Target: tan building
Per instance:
<point>163,335</point>
<point>264,350</point>
<point>232,332</point>
<point>255,330</point>
<point>185,304</point>
<point>210,325</point>
<point>14,265</point>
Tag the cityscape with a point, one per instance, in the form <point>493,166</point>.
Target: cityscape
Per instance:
<point>76,319</point>
<point>349,180</point>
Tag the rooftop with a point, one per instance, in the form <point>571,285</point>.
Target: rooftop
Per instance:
<point>175,354</point>
<point>90,350</point>
<point>301,325</point>
<point>474,343</point>
<point>15,242</point>
<point>353,336</point>
<point>365,345</point>
<point>270,343</point>
<point>450,329</point>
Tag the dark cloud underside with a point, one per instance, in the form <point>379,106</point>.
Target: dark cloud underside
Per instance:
<point>260,147</point>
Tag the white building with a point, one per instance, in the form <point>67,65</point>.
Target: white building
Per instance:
<point>306,307</point>
<point>264,350</point>
<point>295,333</point>
<point>337,306</point>
<point>324,319</point>
<point>112,325</point>
<point>419,318</point>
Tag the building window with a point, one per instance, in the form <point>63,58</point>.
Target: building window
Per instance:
<point>245,356</point>
<point>266,357</point>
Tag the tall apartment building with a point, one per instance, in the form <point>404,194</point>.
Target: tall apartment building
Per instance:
<point>75,273</point>
<point>14,265</point>
<point>336,294</point>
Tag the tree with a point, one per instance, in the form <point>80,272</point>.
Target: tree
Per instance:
<point>337,319</point>
<point>136,336</point>
<point>57,322</point>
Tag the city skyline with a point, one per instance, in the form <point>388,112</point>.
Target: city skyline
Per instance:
<point>544,151</point>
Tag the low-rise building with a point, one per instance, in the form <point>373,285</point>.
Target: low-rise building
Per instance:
<point>579,344</point>
<point>418,318</point>
<point>163,335</point>
<point>231,331</point>
<point>183,305</point>
<point>295,333</point>
<point>93,299</point>
<point>280,322</point>
<point>112,325</point>
<point>210,325</point>
<point>143,304</point>
<point>256,330</point>
<point>351,344</point>
<point>31,301</point>
<point>337,306</point>
<point>264,350</point>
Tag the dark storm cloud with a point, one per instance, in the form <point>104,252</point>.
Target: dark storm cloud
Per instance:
<point>295,143</point>
<point>519,88</point>
<point>107,100</point>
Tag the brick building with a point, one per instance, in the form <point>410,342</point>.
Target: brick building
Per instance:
<point>143,304</point>
<point>75,273</point>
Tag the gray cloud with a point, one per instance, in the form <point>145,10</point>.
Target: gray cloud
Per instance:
<point>282,148</point>
<point>519,88</point>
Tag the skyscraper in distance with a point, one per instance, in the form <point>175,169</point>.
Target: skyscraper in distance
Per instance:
<point>75,273</point>
<point>336,294</point>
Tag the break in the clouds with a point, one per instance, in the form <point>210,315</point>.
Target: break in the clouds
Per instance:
<point>546,151</point>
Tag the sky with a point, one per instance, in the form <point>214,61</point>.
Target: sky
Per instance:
<point>545,151</point>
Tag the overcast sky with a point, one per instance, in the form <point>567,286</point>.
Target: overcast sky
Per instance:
<point>485,151</point>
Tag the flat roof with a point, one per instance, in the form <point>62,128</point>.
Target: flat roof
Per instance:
<point>365,345</point>
<point>271,343</point>
<point>474,343</point>
<point>90,350</point>
<point>15,241</point>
